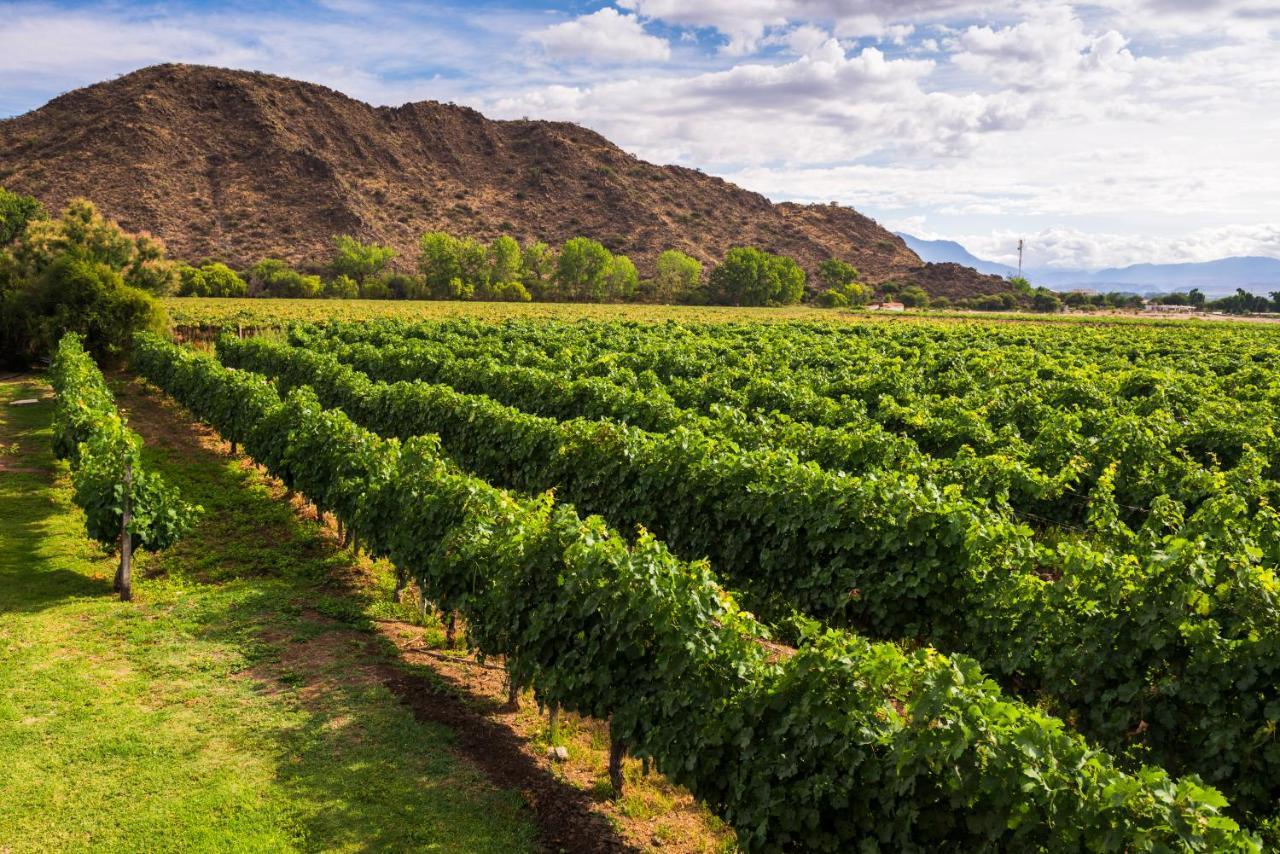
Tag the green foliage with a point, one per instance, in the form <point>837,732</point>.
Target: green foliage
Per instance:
<point>749,276</point>
<point>451,267</point>
<point>849,293</point>
<point>620,280</point>
<point>84,233</point>
<point>537,270</point>
<point>1045,300</point>
<point>210,280</point>
<point>15,212</point>
<point>359,261</point>
<point>89,298</point>
<point>504,260</point>
<point>342,287</point>
<point>1148,487</point>
<point>677,276</point>
<point>375,289</point>
<point>582,270</point>
<point>913,296</point>
<point>272,277</point>
<point>837,274</point>
<point>89,432</point>
<point>78,273</point>
<point>1241,302</point>
<point>1020,284</point>
<point>909,750</point>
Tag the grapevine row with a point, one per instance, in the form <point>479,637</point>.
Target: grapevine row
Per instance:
<point>89,432</point>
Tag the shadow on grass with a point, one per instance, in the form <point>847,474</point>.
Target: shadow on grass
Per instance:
<point>32,575</point>
<point>380,740</point>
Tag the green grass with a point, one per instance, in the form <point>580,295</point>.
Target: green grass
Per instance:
<point>234,705</point>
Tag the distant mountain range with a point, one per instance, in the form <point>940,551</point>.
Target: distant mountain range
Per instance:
<point>943,251</point>
<point>1253,273</point>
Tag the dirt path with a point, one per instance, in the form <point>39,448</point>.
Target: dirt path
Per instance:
<point>573,807</point>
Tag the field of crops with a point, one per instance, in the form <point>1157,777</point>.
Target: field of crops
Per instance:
<point>213,313</point>
<point>1006,585</point>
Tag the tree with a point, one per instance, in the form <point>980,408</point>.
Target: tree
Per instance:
<point>272,277</point>
<point>581,269</point>
<point>452,268</point>
<point>676,277</point>
<point>358,260</point>
<point>913,296</point>
<point>537,270</point>
<point>78,273</point>
<point>342,287</point>
<point>835,273</point>
<point>1196,298</point>
<point>1020,284</point>
<point>81,230</point>
<point>375,289</point>
<point>850,293</point>
<point>1045,300</point>
<point>15,212</point>
<point>75,294</point>
<point>504,260</point>
<point>211,280</point>
<point>620,280</point>
<point>749,276</point>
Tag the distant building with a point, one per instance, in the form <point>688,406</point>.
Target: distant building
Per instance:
<point>1155,306</point>
<point>887,306</point>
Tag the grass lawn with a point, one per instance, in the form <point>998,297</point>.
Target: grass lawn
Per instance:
<point>234,705</point>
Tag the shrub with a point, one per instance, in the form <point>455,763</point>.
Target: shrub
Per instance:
<point>750,276</point>
<point>210,280</point>
<point>359,261</point>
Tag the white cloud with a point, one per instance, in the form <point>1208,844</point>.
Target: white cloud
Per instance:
<point>603,36</point>
<point>1073,249</point>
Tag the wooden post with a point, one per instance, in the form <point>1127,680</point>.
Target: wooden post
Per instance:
<point>617,750</point>
<point>513,693</point>
<point>126,539</point>
<point>233,447</point>
<point>451,633</point>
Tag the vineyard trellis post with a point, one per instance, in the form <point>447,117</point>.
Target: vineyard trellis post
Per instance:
<point>124,575</point>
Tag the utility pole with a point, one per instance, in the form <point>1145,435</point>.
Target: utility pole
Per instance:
<point>1020,245</point>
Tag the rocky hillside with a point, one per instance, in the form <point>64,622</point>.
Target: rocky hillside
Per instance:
<point>237,166</point>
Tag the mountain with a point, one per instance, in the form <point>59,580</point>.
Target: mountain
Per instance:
<point>1253,273</point>
<point>238,166</point>
<point>948,251</point>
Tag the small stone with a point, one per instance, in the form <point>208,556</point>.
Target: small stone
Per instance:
<point>27,402</point>
<point>558,753</point>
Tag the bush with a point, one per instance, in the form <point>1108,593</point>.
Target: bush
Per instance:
<point>581,270</point>
<point>272,277</point>
<point>750,276</point>
<point>375,289</point>
<point>210,280</point>
<point>79,273</point>
<point>341,287</point>
<point>913,296</point>
<point>81,230</point>
<point>359,261</point>
<point>676,278</point>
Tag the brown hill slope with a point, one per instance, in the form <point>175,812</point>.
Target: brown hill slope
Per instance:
<point>238,166</point>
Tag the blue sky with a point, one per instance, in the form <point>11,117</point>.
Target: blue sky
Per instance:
<point>1104,133</point>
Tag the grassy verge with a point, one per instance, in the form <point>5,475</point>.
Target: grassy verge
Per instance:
<point>234,705</point>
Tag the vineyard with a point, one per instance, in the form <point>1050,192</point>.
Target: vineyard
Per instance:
<point>874,585</point>
<point>930,584</point>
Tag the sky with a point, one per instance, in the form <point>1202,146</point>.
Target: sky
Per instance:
<point>1103,133</point>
